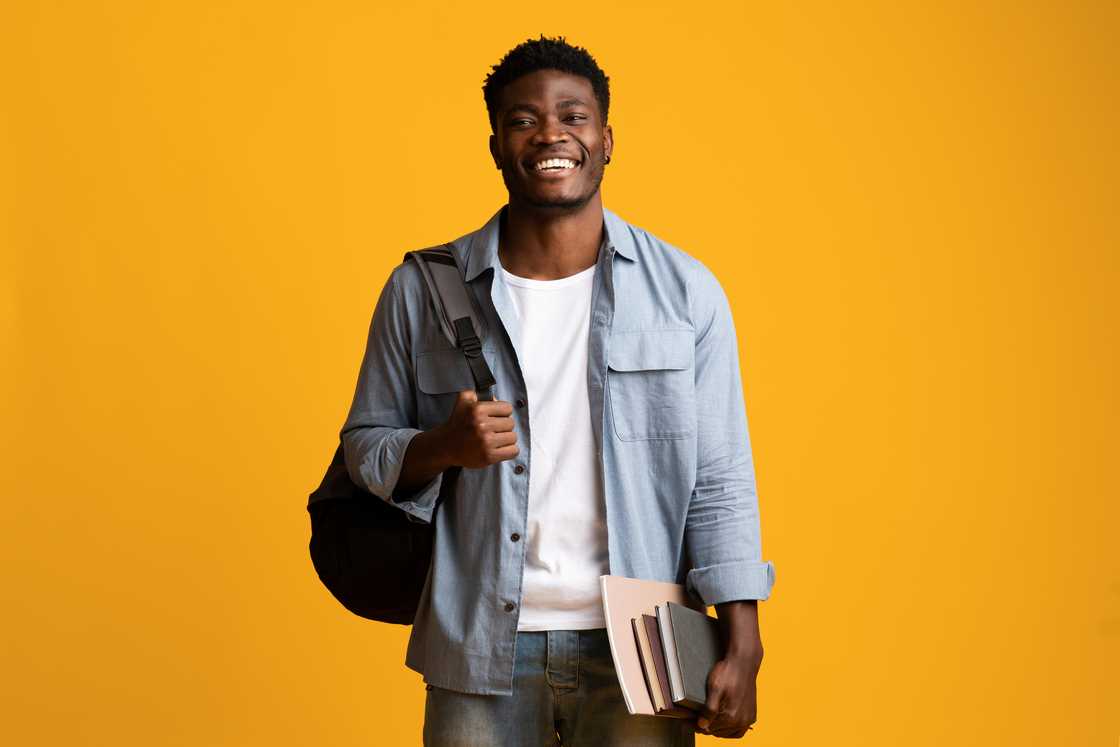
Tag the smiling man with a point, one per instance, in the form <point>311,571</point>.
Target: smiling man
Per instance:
<point>617,443</point>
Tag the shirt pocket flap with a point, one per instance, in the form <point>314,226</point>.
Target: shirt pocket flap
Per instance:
<point>651,349</point>
<point>443,371</point>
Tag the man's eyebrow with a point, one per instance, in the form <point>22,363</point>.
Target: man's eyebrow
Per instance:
<point>564,104</point>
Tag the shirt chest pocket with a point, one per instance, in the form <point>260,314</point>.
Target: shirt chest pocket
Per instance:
<point>440,376</point>
<point>651,384</point>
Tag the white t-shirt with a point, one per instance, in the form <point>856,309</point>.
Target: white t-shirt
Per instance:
<point>566,538</point>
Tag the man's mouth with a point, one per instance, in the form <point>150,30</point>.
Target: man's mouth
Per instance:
<point>555,164</point>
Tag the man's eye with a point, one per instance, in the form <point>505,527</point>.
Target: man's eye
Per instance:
<point>520,122</point>
<point>576,117</point>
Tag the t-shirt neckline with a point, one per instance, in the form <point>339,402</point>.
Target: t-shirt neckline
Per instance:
<point>555,284</point>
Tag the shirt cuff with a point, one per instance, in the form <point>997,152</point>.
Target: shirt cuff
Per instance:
<point>729,582</point>
<point>419,506</point>
<point>382,476</point>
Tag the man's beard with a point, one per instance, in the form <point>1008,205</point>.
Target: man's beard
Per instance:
<point>564,204</point>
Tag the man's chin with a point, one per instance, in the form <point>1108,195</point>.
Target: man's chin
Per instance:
<point>558,203</point>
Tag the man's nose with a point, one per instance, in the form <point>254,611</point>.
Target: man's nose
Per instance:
<point>550,131</point>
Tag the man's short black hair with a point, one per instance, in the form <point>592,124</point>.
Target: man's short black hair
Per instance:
<point>544,54</point>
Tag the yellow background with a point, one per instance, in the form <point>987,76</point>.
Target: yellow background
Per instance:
<point>913,208</point>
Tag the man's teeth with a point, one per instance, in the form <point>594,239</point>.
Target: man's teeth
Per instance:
<point>556,163</point>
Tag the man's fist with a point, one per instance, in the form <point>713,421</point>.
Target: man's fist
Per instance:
<point>479,434</point>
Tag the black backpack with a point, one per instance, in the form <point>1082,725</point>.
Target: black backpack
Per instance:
<point>369,554</point>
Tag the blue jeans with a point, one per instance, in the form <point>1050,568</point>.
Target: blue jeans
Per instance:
<point>565,692</point>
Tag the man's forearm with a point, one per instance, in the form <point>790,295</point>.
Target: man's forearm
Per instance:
<point>738,622</point>
<point>424,458</point>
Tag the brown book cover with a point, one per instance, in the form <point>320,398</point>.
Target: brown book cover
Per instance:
<point>658,654</point>
<point>649,669</point>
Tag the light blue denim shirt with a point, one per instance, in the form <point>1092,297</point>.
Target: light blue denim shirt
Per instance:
<point>670,428</point>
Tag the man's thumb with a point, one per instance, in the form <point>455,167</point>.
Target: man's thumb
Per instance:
<point>466,397</point>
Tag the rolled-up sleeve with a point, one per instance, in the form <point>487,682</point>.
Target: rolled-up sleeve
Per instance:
<point>722,531</point>
<point>382,417</point>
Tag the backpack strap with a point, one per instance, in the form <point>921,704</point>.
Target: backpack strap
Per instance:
<point>458,314</point>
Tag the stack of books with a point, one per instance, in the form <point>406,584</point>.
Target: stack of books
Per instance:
<point>664,645</point>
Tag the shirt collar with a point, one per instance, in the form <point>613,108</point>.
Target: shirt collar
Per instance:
<point>482,245</point>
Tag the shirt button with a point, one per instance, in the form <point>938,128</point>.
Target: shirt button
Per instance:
<point>518,470</point>
<point>515,536</point>
<point>509,606</point>
<point>519,403</point>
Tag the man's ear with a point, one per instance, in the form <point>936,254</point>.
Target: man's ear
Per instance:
<point>608,142</point>
<point>494,152</point>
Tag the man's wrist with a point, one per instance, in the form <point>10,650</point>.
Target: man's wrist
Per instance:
<point>435,447</point>
<point>739,629</point>
<point>425,458</point>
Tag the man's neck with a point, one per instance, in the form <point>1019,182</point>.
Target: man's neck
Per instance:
<point>547,246</point>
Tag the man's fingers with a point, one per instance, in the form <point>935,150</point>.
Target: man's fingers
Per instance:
<point>711,706</point>
<point>497,425</point>
<point>506,452</point>
<point>501,440</point>
<point>497,408</point>
<point>708,713</point>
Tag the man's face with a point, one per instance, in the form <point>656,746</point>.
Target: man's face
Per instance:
<point>550,141</point>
